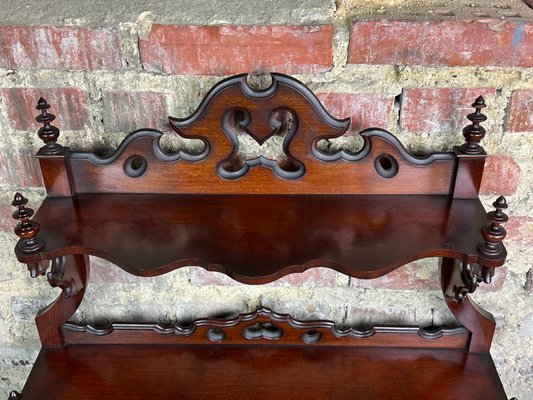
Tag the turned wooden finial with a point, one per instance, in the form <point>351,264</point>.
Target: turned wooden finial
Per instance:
<point>27,229</point>
<point>493,233</point>
<point>14,395</point>
<point>474,132</point>
<point>48,133</point>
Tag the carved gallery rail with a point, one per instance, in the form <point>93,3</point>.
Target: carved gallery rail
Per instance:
<point>364,213</point>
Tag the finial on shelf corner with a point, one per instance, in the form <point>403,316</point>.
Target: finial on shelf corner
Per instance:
<point>47,133</point>
<point>494,233</point>
<point>27,229</point>
<point>474,132</point>
<point>14,395</point>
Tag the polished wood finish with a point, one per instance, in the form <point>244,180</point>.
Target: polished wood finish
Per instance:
<point>478,321</point>
<point>363,213</point>
<point>267,327</point>
<point>362,236</point>
<point>50,319</point>
<point>233,109</point>
<point>225,372</point>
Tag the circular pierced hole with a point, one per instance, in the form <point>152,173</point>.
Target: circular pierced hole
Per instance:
<point>386,166</point>
<point>135,166</point>
<point>311,336</point>
<point>216,335</point>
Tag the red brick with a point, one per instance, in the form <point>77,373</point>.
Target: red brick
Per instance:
<point>7,223</point>
<point>439,109</point>
<point>105,272</point>
<point>60,48</point>
<point>19,168</point>
<point>68,104</point>
<point>367,110</point>
<point>520,113</point>
<point>223,50</point>
<point>500,176</point>
<point>451,43</point>
<point>126,111</point>
<point>519,231</point>
<point>315,277</point>
<point>405,277</point>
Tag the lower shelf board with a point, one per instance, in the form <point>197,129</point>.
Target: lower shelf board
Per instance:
<point>133,372</point>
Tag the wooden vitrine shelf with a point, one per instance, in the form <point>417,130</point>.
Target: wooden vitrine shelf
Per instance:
<point>363,236</point>
<point>364,213</point>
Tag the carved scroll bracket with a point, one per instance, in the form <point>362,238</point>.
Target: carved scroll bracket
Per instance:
<point>457,280</point>
<point>68,279</point>
<point>471,277</point>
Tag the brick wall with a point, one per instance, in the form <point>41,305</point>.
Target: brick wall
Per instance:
<point>105,76</point>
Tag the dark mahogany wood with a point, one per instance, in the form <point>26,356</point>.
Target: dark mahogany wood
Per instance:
<point>364,213</point>
<point>226,372</point>
<point>48,133</point>
<point>478,321</point>
<point>27,230</point>
<point>267,327</point>
<point>50,319</point>
<point>474,132</point>
<point>233,109</point>
<point>257,239</point>
<point>14,395</point>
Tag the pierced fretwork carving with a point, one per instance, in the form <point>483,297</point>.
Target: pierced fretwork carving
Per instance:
<point>262,331</point>
<point>474,132</point>
<point>27,229</point>
<point>251,328</point>
<point>48,133</point>
<point>282,122</point>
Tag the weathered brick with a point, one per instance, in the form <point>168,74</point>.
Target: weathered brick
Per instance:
<point>520,114</point>
<point>371,316</point>
<point>416,275</point>
<point>448,42</point>
<point>528,284</point>
<point>68,104</point>
<point>25,309</point>
<point>105,272</point>
<point>526,325</point>
<point>367,110</point>
<point>223,50</point>
<point>419,275</point>
<point>315,277</point>
<point>7,223</point>
<point>127,111</point>
<point>304,309</point>
<point>439,109</point>
<point>19,168</point>
<point>500,176</point>
<point>60,48</point>
<point>187,311</point>
<point>519,231</point>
